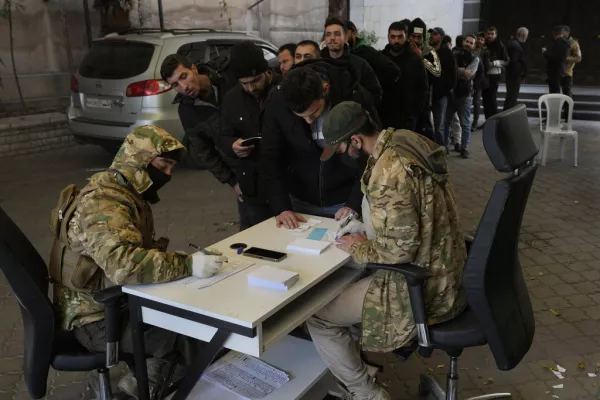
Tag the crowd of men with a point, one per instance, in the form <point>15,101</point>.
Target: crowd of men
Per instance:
<point>306,139</point>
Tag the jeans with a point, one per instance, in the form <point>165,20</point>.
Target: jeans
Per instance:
<point>252,213</point>
<point>566,83</point>
<point>490,97</point>
<point>513,87</point>
<point>303,207</point>
<point>423,124</point>
<point>439,116</point>
<point>462,107</point>
<point>476,107</point>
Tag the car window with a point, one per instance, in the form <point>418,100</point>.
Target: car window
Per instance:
<point>195,52</point>
<point>112,59</point>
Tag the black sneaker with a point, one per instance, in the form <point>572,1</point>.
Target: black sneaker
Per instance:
<point>464,153</point>
<point>457,147</point>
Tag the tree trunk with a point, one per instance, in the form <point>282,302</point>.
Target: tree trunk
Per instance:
<point>339,9</point>
<point>12,53</point>
<point>66,38</point>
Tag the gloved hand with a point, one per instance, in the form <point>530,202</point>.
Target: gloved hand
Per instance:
<point>204,266</point>
<point>355,226</point>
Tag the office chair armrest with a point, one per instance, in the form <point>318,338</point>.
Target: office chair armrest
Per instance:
<point>415,278</point>
<point>112,299</point>
<point>469,242</point>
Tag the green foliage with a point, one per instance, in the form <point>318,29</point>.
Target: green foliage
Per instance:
<point>369,37</point>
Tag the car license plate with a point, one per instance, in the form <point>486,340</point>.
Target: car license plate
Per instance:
<point>98,103</point>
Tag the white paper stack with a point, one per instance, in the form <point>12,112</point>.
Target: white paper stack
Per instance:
<point>308,246</point>
<point>273,278</point>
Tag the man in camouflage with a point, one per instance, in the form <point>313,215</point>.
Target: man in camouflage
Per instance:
<point>409,216</point>
<point>110,232</point>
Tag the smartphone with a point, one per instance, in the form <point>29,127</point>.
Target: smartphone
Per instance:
<point>251,141</point>
<point>264,254</point>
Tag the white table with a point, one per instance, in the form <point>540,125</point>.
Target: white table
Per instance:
<point>231,313</point>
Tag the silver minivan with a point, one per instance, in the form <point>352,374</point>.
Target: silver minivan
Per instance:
<point>118,85</point>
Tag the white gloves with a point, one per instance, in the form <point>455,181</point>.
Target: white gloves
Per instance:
<point>355,226</point>
<point>204,266</point>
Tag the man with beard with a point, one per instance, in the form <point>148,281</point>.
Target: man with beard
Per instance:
<point>199,94</point>
<point>241,110</point>
<point>442,87</point>
<point>497,59</point>
<point>387,72</point>
<point>290,170</point>
<point>335,37</point>
<point>410,94</point>
<point>409,216</point>
<point>467,64</point>
<point>307,50</point>
<point>285,57</point>
<point>516,69</point>
<point>416,34</point>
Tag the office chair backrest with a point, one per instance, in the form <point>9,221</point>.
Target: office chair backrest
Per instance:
<point>493,279</point>
<point>27,275</point>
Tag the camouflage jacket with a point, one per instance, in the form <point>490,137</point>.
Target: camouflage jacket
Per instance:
<point>415,219</point>
<point>113,225</point>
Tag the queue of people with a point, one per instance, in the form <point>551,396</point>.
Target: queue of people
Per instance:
<point>337,131</point>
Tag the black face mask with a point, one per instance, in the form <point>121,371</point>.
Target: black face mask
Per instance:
<point>159,179</point>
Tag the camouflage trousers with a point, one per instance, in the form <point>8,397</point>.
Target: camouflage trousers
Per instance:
<point>331,331</point>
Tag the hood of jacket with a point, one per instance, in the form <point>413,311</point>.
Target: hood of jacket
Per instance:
<point>423,153</point>
<point>139,148</point>
<point>338,73</point>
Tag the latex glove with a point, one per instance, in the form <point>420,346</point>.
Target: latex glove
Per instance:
<point>355,226</point>
<point>204,266</point>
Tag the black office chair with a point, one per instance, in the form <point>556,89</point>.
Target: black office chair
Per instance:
<point>45,345</point>
<point>499,312</point>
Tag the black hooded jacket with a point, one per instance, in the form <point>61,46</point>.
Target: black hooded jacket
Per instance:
<point>363,71</point>
<point>290,162</point>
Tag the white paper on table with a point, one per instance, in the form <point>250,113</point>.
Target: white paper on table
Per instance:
<point>245,375</point>
<point>308,224</point>
<point>232,266</point>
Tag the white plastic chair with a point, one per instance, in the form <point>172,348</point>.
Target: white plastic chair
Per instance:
<point>554,104</point>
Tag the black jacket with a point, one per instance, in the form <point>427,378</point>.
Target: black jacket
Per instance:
<point>517,64</point>
<point>363,71</point>
<point>201,122</point>
<point>241,119</point>
<point>411,90</point>
<point>290,160</point>
<point>464,85</point>
<point>556,56</point>
<point>447,81</point>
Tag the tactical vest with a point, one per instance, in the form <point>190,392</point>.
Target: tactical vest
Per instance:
<point>73,270</point>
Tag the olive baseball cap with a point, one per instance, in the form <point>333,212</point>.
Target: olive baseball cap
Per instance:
<point>343,121</point>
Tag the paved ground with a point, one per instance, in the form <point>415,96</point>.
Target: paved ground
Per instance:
<point>559,246</point>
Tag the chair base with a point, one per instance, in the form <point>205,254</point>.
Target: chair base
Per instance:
<point>430,389</point>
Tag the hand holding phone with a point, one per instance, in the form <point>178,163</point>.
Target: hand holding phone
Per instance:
<point>253,141</point>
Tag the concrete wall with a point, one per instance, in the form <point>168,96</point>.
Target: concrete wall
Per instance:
<point>279,21</point>
<point>40,52</point>
<point>377,15</point>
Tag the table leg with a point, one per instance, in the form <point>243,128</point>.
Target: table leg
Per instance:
<point>205,358</point>
<point>139,348</point>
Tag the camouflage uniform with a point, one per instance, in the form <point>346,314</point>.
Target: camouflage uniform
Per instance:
<point>113,225</point>
<point>414,216</point>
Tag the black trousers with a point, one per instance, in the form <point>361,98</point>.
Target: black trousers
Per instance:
<point>513,87</point>
<point>554,84</point>
<point>252,213</point>
<point>490,96</point>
